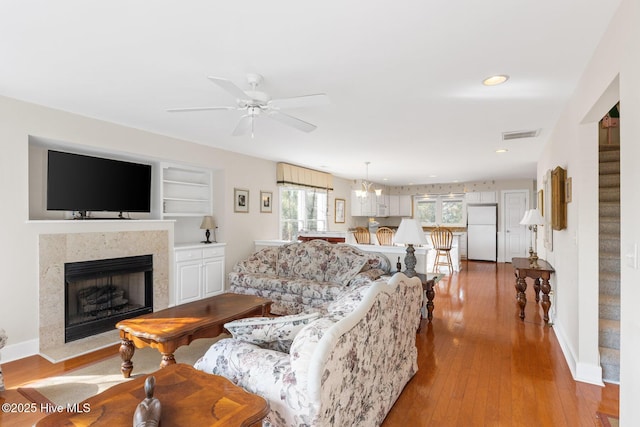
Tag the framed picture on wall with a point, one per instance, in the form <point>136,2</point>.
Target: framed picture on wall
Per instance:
<point>546,204</point>
<point>240,200</point>
<point>266,201</point>
<point>339,211</point>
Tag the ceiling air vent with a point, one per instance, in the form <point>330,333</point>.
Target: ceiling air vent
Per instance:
<point>520,134</point>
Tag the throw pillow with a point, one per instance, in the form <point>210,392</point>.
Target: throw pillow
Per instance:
<point>274,333</point>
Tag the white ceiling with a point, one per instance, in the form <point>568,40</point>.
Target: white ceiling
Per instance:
<point>404,77</point>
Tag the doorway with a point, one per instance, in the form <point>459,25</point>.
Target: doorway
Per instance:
<point>514,205</point>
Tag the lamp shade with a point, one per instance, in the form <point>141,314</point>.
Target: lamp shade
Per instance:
<point>532,217</point>
<point>208,223</point>
<point>409,233</point>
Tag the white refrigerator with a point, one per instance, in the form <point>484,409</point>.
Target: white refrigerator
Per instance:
<point>482,232</point>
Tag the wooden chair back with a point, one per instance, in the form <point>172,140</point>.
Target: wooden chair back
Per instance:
<point>385,236</point>
<point>442,238</point>
<point>362,236</point>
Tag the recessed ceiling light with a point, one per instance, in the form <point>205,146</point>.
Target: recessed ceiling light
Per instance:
<point>501,150</point>
<point>495,80</point>
<point>433,176</point>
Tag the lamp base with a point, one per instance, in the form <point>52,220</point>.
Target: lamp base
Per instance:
<point>533,260</point>
<point>410,262</point>
<point>207,234</point>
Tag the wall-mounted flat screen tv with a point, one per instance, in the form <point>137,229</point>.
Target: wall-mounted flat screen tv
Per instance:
<point>77,182</point>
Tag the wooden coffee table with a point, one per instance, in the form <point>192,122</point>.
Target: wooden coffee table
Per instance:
<point>173,327</point>
<point>188,397</point>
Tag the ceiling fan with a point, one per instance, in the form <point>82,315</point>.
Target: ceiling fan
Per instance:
<point>255,103</point>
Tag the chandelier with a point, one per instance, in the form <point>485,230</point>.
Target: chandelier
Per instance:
<point>367,187</point>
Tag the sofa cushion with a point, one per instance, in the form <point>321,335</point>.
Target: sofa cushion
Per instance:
<point>307,260</point>
<point>344,263</point>
<point>275,333</point>
<point>263,261</point>
<point>296,287</point>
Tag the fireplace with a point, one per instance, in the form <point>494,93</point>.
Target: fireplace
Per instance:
<point>100,293</point>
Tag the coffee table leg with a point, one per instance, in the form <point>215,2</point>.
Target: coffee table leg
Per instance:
<point>167,359</point>
<point>126,353</point>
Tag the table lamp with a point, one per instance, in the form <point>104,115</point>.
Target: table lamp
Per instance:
<point>208,223</point>
<point>533,219</point>
<point>410,233</point>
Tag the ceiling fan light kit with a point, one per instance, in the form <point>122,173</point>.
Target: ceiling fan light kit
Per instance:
<point>254,103</point>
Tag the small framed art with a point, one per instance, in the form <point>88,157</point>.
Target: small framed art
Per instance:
<point>266,201</point>
<point>240,200</point>
<point>339,211</point>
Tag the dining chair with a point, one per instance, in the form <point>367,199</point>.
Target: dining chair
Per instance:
<point>385,236</point>
<point>442,240</point>
<point>362,236</point>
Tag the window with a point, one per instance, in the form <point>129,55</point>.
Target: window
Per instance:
<point>302,209</point>
<point>440,210</point>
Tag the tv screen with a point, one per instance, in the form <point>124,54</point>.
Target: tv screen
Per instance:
<point>76,182</point>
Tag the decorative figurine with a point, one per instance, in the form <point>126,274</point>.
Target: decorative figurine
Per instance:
<point>147,413</point>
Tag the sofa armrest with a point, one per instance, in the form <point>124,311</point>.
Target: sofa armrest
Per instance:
<point>267,373</point>
<point>366,277</point>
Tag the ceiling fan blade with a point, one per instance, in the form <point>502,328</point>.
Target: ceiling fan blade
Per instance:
<point>292,121</point>
<point>313,100</point>
<point>182,110</point>
<point>230,87</point>
<point>243,126</point>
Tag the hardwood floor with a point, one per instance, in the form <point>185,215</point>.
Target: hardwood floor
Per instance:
<point>479,364</point>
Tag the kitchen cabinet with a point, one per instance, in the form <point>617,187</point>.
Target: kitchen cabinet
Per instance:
<point>481,197</point>
<point>372,206</point>
<point>400,205</point>
<point>199,271</point>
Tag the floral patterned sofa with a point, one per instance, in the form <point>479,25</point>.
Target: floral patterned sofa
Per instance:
<point>304,275</point>
<point>344,366</point>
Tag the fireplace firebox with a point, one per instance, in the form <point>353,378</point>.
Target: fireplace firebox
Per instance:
<point>100,293</point>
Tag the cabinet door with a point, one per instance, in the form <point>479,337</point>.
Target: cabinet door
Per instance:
<point>356,205</point>
<point>488,197</point>
<point>405,206</point>
<point>382,206</point>
<point>394,205</point>
<point>188,281</point>
<point>213,280</point>
<point>473,197</point>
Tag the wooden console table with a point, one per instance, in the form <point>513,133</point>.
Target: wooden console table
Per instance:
<point>541,276</point>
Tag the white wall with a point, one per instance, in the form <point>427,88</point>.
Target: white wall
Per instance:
<point>18,254</point>
<point>614,70</point>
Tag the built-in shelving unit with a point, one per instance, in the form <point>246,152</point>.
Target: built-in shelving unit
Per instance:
<point>185,191</point>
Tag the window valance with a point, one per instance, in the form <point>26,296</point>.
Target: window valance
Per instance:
<point>287,174</point>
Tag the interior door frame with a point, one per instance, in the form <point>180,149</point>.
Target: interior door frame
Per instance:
<point>502,235</point>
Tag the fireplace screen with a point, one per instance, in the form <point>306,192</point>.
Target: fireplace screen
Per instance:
<point>100,293</point>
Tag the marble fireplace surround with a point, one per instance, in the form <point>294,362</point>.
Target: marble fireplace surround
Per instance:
<point>57,249</point>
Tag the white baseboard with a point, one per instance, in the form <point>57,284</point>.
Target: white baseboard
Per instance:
<point>20,350</point>
<point>583,372</point>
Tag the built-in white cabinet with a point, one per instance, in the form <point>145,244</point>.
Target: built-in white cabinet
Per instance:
<point>481,197</point>
<point>185,191</point>
<point>400,205</point>
<point>199,271</point>
<point>372,206</point>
